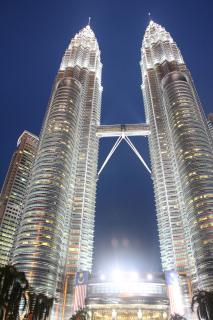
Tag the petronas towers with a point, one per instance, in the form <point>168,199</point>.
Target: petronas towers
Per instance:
<point>55,238</point>
<point>56,229</point>
<point>182,161</point>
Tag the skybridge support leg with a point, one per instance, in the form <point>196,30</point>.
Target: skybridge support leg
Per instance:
<point>137,153</point>
<point>118,141</point>
<point>129,142</point>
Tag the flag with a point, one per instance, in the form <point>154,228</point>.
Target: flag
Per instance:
<point>80,290</point>
<point>174,292</point>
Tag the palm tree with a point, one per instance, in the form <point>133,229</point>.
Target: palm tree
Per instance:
<point>204,301</point>
<point>81,314</point>
<point>17,300</point>
<point>39,306</point>
<point>13,285</point>
<point>176,316</point>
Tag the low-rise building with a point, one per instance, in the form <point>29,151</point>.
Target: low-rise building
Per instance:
<point>129,296</point>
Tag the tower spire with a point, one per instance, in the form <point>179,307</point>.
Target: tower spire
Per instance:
<point>89,21</point>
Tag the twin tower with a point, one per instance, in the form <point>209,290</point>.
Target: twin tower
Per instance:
<point>55,238</point>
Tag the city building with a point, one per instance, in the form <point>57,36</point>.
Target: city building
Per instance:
<point>55,238</point>
<point>14,192</point>
<point>128,296</point>
<point>182,160</point>
<point>56,231</point>
<point>210,123</point>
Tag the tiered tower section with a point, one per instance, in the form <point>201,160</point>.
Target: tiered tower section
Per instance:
<point>56,232</point>
<point>182,159</point>
<point>159,52</point>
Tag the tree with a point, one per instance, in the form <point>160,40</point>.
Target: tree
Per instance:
<point>17,300</point>
<point>176,316</point>
<point>204,301</point>
<point>81,314</point>
<point>39,306</point>
<point>13,286</point>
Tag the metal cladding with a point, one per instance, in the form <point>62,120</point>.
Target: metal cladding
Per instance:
<point>56,230</point>
<point>117,130</point>
<point>182,159</point>
<point>210,124</point>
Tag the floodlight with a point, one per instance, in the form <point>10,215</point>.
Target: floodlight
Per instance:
<point>102,277</point>
<point>139,314</point>
<point>149,276</point>
<point>114,313</point>
<point>117,275</point>
<point>134,276</point>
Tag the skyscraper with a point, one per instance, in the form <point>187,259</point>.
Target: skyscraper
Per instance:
<point>14,192</point>
<point>56,231</point>
<point>182,159</point>
<point>210,123</point>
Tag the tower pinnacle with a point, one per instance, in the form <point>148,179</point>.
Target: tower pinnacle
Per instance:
<point>149,17</point>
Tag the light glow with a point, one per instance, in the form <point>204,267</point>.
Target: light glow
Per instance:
<point>114,313</point>
<point>149,276</point>
<point>139,314</point>
<point>134,276</point>
<point>102,277</point>
<point>117,275</point>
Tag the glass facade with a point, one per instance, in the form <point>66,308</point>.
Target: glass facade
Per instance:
<point>182,160</point>
<point>56,231</point>
<point>14,191</point>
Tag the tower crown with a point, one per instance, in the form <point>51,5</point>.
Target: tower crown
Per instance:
<point>154,33</point>
<point>85,38</point>
<point>86,32</point>
<point>83,51</point>
<point>158,46</point>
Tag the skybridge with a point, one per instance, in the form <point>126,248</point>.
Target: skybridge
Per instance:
<point>123,132</point>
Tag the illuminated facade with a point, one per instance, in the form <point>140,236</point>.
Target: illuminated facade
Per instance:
<point>210,123</point>
<point>182,160</point>
<point>55,239</point>
<point>14,192</point>
<point>130,299</point>
<point>56,231</point>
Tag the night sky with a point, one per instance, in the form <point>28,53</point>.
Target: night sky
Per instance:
<point>34,35</point>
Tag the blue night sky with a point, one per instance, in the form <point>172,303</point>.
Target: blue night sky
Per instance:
<point>34,35</point>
